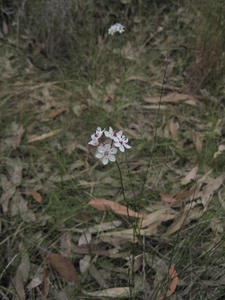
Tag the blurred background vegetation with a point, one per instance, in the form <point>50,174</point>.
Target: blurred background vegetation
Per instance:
<point>67,30</point>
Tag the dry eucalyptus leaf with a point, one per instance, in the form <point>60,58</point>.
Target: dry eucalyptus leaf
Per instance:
<point>161,215</point>
<point>37,196</point>
<point>113,293</point>
<point>22,274</point>
<point>15,167</point>
<point>173,98</point>
<point>197,140</point>
<point>221,149</point>
<point>85,238</point>
<point>56,113</point>
<point>84,263</point>
<point>9,190</point>
<point>64,267</point>
<point>103,204</point>
<point>14,133</point>
<point>44,136</point>
<point>190,176</point>
<point>174,126</point>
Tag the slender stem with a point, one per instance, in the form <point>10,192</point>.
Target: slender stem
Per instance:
<point>121,181</point>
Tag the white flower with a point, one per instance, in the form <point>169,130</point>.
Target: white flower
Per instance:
<point>112,134</point>
<point>106,153</point>
<point>116,28</point>
<point>96,136</point>
<point>121,142</point>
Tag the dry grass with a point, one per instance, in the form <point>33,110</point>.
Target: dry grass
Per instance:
<point>48,175</point>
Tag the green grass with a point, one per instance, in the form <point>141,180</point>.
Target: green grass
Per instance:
<point>102,87</point>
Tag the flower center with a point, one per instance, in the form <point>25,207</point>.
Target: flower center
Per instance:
<point>106,153</point>
<point>121,142</point>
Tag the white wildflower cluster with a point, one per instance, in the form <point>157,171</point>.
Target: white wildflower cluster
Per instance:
<point>106,150</point>
<point>116,28</point>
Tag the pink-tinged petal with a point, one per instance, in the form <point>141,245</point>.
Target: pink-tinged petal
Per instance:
<point>101,149</point>
<point>113,150</point>
<point>127,146</point>
<point>122,148</point>
<point>107,147</point>
<point>99,155</point>
<point>119,133</point>
<point>107,134</point>
<point>105,160</point>
<point>112,158</point>
<point>93,142</point>
<point>117,144</point>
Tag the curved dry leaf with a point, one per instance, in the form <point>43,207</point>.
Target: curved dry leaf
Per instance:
<point>174,126</point>
<point>36,196</point>
<point>64,267</point>
<point>103,204</point>
<point>173,98</point>
<point>168,199</point>
<point>221,149</point>
<point>190,176</point>
<point>174,277</point>
<point>161,215</point>
<point>116,293</point>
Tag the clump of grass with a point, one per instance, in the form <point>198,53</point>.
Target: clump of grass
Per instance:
<point>208,64</point>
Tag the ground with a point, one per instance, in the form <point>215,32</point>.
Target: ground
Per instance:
<point>150,226</point>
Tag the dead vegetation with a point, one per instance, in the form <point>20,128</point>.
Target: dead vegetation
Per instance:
<point>66,231</point>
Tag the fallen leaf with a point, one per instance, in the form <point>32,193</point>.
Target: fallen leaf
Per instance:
<point>84,263</point>
<point>9,190</point>
<point>208,191</point>
<point>176,225</point>
<point>99,276</point>
<point>102,204</point>
<point>172,98</point>
<point>15,168</point>
<point>117,293</point>
<point>85,238</point>
<point>14,133</point>
<point>174,126</point>
<point>45,282</point>
<point>161,215</point>
<point>190,176</point>
<point>221,149</point>
<point>37,196</point>
<point>104,227</point>
<point>18,206</point>
<point>174,277</point>
<point>57,113</point>
<point>197,140</point>
<point>168,199</point>
<point>66,244</point>
<point>22,274</point>
<point>5,29</point>
<point>64,267</point>
<point>43,136</point>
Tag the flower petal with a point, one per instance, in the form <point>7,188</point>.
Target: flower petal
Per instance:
<point>105,160</point>
<point>119,133</point>
<point>112,158</point>
<point>99,155</point>
<point>101,149</point>
<point>93,142</point>
<point>121,148</point>
<point>113,150</point>
<point>127,146</point>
